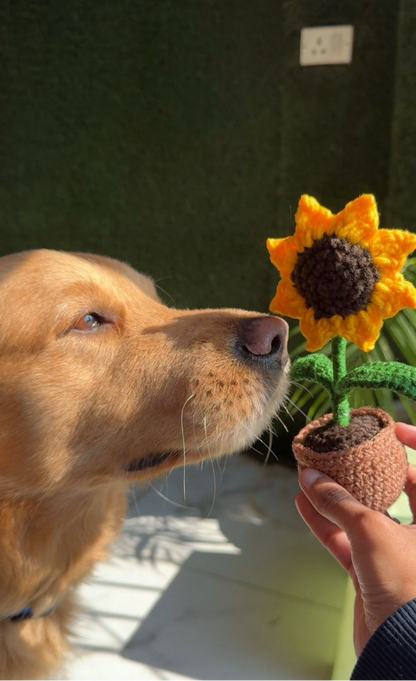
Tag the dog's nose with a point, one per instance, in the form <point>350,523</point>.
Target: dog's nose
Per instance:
<point>264,337</point>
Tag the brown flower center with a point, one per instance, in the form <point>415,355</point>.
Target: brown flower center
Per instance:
<point>335,276</point>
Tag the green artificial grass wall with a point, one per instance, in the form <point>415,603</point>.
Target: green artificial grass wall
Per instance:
<point>150,131</point>
<point>178,134</point>
<point>402,179</point>
<point>336,119</point>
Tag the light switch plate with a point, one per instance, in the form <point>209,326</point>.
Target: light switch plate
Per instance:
<point>326,45</point>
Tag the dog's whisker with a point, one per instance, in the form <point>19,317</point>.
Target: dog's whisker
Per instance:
<point>259,439</point>
<point>251,432</point>
<point>300,385</point>
<point>220,470</point>
<point>183,443</point>
<point>214,495</point>
<point>133,489</point>
<point>282,422</point>
<point>273,430</point>
<point>157,285</point>
<point>174,503</point>
<point>197,446</point>
<point>298,409</point>
<point>204,422</point>
<point>225,465</point>
<point>288,412</point>
<point>270,431</point>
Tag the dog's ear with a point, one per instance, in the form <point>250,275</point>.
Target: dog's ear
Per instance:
<point>145,283</point>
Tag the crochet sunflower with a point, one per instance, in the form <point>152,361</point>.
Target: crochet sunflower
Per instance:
<point>340,276</point>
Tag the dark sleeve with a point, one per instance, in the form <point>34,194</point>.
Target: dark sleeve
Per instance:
<point>390,653</point>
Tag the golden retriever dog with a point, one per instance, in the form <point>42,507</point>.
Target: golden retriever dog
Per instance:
<point>102,385</point>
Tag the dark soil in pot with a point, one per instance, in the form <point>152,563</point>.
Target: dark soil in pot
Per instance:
<point>333,438</point>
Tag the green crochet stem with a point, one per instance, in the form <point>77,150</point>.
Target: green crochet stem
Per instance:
<point>333,377</point>
<point>340,403</point>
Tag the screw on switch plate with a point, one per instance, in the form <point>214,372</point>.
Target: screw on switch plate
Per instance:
<point>326,45</point>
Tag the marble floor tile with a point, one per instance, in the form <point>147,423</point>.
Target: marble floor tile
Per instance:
<point>236,589</point>
<point>253,515</point>
<point>208,627</point>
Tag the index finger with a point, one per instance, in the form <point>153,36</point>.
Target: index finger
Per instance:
<point>406,434</point>
<point>331,500</point>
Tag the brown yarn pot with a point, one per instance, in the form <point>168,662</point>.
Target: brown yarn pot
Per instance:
<point>374,471</point>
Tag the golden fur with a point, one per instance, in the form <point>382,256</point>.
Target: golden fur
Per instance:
<point>78,405</point>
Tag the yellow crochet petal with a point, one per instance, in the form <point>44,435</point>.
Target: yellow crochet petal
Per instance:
<point>283,254</point>
<point>358,221</point>
<point>317,332</point>
<point>393,294</point>
<point>288,301</point>
<point>363,328</point>
<point>356,232</point>
<point>312,221</point>
<point>362,209</point>
<point>390,247</point>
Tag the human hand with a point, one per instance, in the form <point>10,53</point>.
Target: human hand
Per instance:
<point>378,554</point>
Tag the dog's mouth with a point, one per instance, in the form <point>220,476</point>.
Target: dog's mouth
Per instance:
<point>150,461</point>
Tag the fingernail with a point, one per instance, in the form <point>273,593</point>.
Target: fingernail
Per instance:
<point>309,476</point>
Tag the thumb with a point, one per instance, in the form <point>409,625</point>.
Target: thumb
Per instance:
<point>331,500</point>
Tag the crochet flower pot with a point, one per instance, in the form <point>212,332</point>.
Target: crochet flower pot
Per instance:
<point>340,276</point>
<point>373,470</point>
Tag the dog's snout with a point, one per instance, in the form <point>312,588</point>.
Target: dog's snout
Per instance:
<point>264,337</point>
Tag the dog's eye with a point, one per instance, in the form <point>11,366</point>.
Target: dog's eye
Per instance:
<point>88,321</point>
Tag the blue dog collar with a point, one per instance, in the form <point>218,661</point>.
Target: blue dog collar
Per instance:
<point>26,614</point>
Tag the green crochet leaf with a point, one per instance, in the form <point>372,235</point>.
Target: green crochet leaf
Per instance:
<point>396,376</point>
<point>316,368</point>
